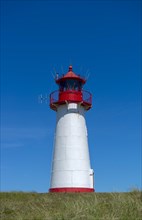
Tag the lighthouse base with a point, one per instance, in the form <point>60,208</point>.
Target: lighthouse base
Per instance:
<point>71,190</point>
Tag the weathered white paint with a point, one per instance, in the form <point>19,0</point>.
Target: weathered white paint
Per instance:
<point>71,163</point>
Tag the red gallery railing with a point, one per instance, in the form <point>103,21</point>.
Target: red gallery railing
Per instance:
<point>60,97</point>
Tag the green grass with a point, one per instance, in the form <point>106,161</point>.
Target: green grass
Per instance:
<point>63,206</point>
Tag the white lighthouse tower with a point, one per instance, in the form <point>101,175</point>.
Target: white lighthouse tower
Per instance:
<point>71,170</point>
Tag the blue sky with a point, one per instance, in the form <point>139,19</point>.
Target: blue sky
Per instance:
<point>99,37</point>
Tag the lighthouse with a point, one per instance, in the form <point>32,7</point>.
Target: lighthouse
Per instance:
<point>71,168</point>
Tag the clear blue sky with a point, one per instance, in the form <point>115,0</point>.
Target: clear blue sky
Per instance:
<point>102,37</point>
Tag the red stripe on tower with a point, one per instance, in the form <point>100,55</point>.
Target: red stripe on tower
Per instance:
<point>73,189</point>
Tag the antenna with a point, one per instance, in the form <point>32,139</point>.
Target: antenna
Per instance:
<point>54,70</point>
<point>57,76</point>
<point>53,75</point>
<point>87,74</point>
<point>70,62</point>
<point>81,68</point>
<point>82,71</point>
<point>62,69</point>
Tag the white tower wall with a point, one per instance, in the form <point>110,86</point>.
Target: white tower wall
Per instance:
<point>71,162</point>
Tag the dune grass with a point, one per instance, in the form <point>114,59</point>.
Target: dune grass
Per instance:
<point>66,206</point>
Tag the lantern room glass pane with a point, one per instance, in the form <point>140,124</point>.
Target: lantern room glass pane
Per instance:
<point>70,84</point>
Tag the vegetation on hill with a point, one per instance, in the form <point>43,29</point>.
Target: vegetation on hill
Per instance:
<point>71,206</point>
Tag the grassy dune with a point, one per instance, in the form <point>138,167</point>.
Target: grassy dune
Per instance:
<point>84,206</point>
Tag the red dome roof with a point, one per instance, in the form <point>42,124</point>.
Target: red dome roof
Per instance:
<point>70,74</point>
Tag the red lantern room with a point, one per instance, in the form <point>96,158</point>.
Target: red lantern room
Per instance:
<point>70,90</point>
